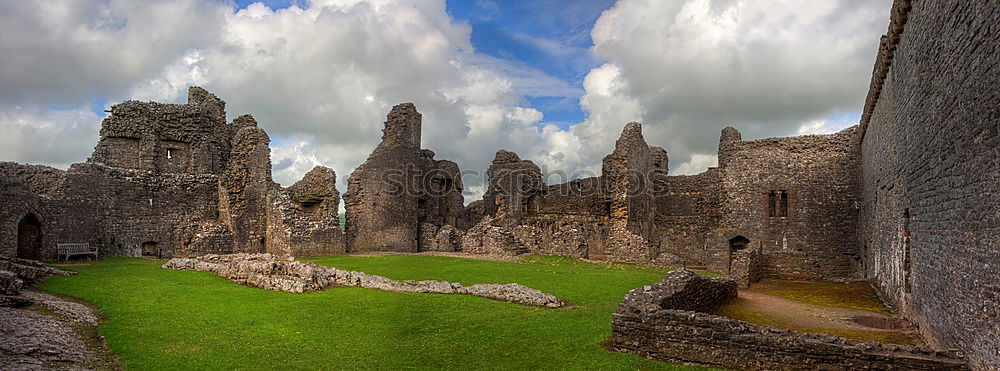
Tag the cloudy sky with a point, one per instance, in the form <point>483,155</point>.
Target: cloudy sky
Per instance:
<point>553,80</point>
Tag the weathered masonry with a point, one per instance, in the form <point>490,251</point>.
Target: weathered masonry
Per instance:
<point>169,180</point>
<point>907,199</point>
<point>930,158</point>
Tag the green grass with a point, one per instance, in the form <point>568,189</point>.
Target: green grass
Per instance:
<point>164,319</point>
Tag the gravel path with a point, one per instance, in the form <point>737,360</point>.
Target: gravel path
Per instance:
<point>53,334</point>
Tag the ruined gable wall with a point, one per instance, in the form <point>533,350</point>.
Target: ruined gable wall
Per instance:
<point>244,189</point>
<point>625,177</point>
<point>930,151</point>
<point>817,239</point>
<point>400,197</point>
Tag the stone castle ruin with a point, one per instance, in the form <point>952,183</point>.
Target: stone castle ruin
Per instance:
<point>170,180</point>
<point>907,199</point>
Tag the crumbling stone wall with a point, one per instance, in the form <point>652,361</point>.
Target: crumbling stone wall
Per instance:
<point>168,138</point>
<point>245,187</point>
<point>687,213</point>
<point>299,217</point>
<point>400,197</point>
<point>931,174</point>
<point>212,193</point>
<point>634,212</point>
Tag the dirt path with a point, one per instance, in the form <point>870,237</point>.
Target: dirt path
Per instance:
<point>757,306</point>
<point>801,314</point>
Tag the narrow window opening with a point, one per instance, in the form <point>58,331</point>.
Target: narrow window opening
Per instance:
<point>783,210</point>
<point>170,154</point>
<point>772,211</point>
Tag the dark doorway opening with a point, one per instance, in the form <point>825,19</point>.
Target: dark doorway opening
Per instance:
<point>738,243</point>
<point>151,249</point>
<point>29,237</point>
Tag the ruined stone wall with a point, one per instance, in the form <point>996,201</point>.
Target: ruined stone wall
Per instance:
<point>626,178</point>
<point>169,138</point>
<point>303,219</point>
<point>514,189</point>
<point>930,224</point>
<point>687,213</point>
<point>819,176</point>
<point>244,187</point>
<point>400,197</point>
<point>24,192</point>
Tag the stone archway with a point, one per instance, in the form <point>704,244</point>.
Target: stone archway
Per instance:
<point>29,237</point>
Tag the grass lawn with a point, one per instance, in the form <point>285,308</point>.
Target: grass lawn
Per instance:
<point>160,319</point>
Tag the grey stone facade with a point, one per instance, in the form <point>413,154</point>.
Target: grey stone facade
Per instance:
<point>930,223</point>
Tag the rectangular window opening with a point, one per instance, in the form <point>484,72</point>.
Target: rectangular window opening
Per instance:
<point>777,204</point>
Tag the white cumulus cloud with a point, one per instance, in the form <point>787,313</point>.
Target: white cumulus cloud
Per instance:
<point>321,78</point>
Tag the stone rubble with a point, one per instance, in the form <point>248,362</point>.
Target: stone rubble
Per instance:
<point>30,271</point>
<point>284,273</point>
<point>9,283</point>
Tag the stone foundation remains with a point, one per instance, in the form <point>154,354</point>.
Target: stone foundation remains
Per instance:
<point>272,272</point>
<point>666,321</point>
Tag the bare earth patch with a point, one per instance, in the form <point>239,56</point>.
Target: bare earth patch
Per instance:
<point>813,308</point>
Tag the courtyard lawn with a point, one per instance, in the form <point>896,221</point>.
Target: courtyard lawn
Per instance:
<point>165,319</point>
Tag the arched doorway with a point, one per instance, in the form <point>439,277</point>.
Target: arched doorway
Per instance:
<point>29,237</point>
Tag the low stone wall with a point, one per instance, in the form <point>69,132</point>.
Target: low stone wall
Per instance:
<point>680,289</point>
<point>662,322</point>
<point>684,336</point>
<point>272,272</point>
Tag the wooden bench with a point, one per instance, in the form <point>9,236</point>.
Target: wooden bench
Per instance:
<point>66,250</point>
